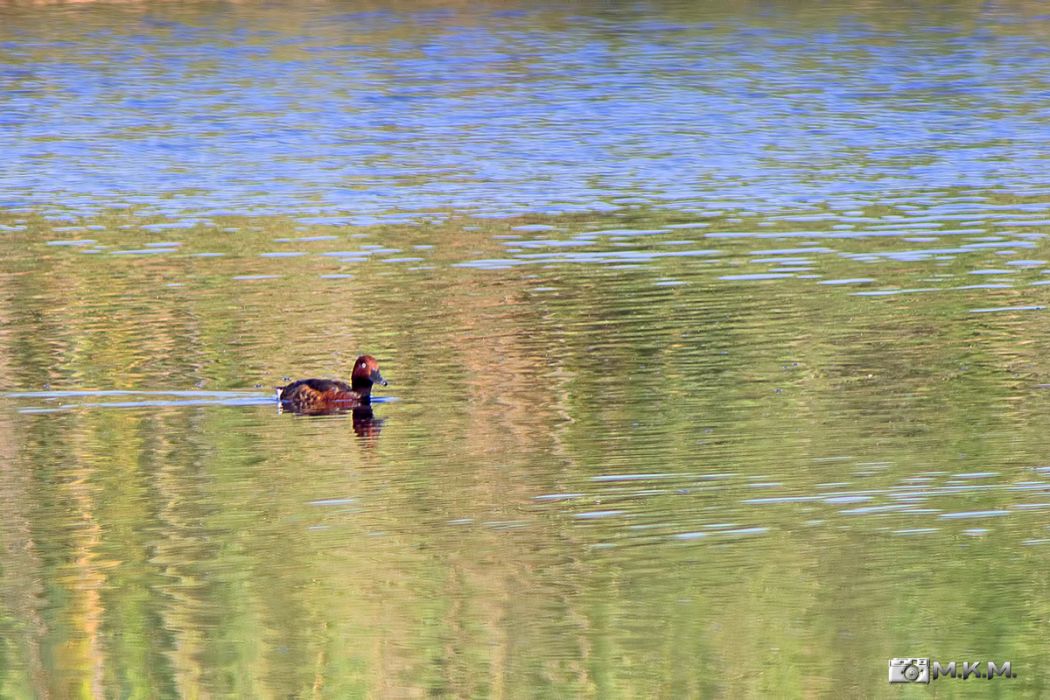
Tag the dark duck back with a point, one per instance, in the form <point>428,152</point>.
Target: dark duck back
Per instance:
<point>316,396</point>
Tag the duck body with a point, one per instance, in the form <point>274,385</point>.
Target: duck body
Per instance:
<point>320,396</point>
<point>309,395</point>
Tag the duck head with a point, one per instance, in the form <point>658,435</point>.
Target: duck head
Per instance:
<point>365,374</point>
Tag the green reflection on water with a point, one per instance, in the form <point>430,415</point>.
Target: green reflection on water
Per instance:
<point>590,483</point>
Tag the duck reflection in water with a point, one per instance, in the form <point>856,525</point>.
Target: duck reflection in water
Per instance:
<point>321,397</point>
<point>366,425</point>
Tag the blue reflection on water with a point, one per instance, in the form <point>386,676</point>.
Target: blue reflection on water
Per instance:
<point>312,110</point>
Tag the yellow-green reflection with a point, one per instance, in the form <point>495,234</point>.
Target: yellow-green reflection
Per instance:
<point>591,482</point>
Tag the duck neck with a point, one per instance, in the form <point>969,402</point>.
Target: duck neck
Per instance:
<point>362,387</point>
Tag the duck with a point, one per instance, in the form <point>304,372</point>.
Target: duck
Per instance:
<point>321,396</point>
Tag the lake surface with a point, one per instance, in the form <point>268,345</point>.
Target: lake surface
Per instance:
<point>716,339</point>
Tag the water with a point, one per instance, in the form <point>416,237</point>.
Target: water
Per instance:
<point>714,337</point>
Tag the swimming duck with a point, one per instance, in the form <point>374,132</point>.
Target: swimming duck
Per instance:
<point>318,396</point>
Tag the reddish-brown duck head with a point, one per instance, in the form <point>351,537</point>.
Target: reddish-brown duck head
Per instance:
<point>366,373</point>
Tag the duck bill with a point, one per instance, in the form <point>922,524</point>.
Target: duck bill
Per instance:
<point>377,378</point>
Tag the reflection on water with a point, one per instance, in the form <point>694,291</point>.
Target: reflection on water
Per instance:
<point>715,339</point>
<point>358,113</point>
